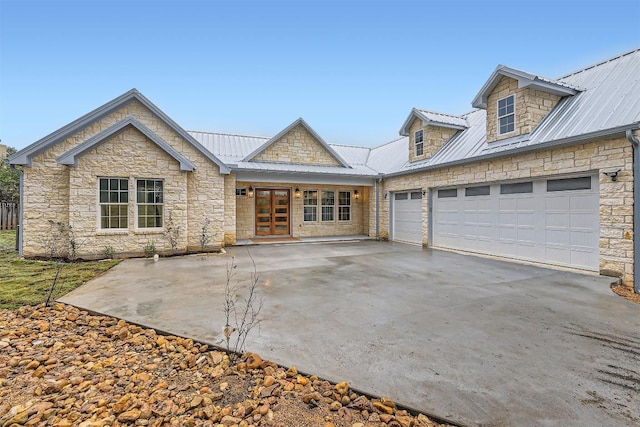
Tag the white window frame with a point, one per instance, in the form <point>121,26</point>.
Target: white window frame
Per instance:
<point>347,206</point>
<point>331,206</point>
<point>138,204</point>
<point>305,206</point>
<point>241,192</point>
<point>420,143</point>
<point>506,115</point>
<point>101,204</point>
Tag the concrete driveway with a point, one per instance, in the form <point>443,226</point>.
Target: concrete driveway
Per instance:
<point>476,340</point>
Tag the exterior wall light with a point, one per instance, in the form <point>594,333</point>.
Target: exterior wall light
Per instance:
<point>385,194</point>
<point>250,192</point>
<point>297,192</point>
<point>612,175</point>
<point>356,194</point>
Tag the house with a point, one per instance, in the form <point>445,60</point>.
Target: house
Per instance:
<point>541,170</point>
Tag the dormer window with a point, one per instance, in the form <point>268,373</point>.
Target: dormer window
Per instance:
<point>507,115</point>
<point>419,142</point>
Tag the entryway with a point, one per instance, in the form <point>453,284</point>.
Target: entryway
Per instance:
<point>272,211</point>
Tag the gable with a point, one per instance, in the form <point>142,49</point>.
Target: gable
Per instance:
<point>298,145</point>
<point>85,127</point>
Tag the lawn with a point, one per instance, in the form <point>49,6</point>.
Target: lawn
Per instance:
<point>27,282</point>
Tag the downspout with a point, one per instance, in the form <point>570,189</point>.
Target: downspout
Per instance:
<point>635,143</point>
<point>378,181</point>
<point>20,210</point>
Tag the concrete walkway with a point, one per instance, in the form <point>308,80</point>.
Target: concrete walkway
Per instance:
<point>472,339</point>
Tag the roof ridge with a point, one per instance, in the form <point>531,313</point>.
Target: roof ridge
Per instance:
<point>599,63</point>
<point>229,134</point>
<point>387,143</point>
<point>347,145</point>
<point>437,112</point>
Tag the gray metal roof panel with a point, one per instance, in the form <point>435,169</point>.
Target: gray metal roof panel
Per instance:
<point>357,170</point>
<point>442,118</point>
<point>390,157</point>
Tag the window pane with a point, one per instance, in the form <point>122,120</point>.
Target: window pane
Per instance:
<point>442,194</point>
<point>517,188</point>
<point>328,198</point>
<point>104,184</point>
<point>124,197</point>
<point>327,213</point>
<point>124,184</point>
<point>344,213</point>
<point>344,198</point>
<point>567,184</point>
<point>113,184</point>
<point>401,196</point>
<point>310,213</point>
<point>419,136</point>
<point>484,190</point>
<point>419,149</point>
<point>416,195</point>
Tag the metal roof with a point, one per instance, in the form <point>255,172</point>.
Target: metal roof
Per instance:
<point>607,105</point>
<point>431,117</point>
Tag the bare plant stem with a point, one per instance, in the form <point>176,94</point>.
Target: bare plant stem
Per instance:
<point>53,285</point>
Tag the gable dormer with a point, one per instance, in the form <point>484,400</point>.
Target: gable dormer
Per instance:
<point>429,131</point>
<point>298,143</point>
<point>516,101</point>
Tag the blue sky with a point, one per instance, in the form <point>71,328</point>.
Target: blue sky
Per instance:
<point>352,69</point>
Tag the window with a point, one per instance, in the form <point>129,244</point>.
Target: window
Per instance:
<point>150,199</point>
<point>582,183</point>
<point>443,194</point>
<point>419,142</point>
<point>114,203</point>
<point>416,195</point>
<point>401,196</point>
<point>483,190</point>
<point>241,191</point>
<point>344,206</point>
<point>517,188</point>
<point>328,205</point>
<point>310,205</point>
<point>506,115</point>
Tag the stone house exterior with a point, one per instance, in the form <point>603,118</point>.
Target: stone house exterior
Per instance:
<point>542,170</point>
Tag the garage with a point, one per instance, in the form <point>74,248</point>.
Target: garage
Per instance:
<point>553,221</point>
<point>407,217</point>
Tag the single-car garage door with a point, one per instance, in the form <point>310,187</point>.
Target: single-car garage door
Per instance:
<point>553,221</point>
<point>407,217</point>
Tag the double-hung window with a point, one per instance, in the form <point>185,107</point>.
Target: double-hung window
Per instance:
<point>114,203</point>
<point>418,138</point>
<point>310,205</point>
<point>344,206</point>
<point>507,115</point>
<point>150,202</point>
<point>328,205</point>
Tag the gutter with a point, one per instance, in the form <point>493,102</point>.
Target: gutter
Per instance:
<point>580,139</point>
<point>635,143</point>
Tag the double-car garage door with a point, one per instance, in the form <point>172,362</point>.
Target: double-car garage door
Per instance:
<point>553,221</point>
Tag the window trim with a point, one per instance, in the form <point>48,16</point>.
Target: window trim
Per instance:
<point>137,205</point>
<point>241,192</point>
<point>339,205</point>
<point>304,205</point>
<point>415,142</point>
<point>99,227</point>
<point>332,206</point>
<point>498,126</point>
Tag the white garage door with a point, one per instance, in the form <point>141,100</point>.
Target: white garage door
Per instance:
<point>407,217</point>
<point>554,221</point>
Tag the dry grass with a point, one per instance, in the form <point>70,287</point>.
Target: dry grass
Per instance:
<point>626,292</point>
<point>27,282</point>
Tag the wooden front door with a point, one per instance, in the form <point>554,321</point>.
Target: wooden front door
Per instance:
<point>272,212</point>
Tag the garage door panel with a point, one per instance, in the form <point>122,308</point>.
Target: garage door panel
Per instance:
<point>556,227</point>
<point>407,217</point>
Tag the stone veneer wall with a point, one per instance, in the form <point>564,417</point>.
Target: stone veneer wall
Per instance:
<point>531,107</point>
<point>70,194</point>
<point>297,146</point>
<point>433,139</point>
<point>230,209</point>
<point>616,198</point>
<point>245,221</point>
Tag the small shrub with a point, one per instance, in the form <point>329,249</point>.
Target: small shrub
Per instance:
<point>204,234</point>
<point>150,248</point>
<point>108,252</point>
<point>172,232</point>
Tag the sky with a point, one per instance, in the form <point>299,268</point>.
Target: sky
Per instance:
<point>353,69</point>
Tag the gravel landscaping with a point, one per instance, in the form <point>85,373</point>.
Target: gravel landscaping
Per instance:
<point>60,366</point>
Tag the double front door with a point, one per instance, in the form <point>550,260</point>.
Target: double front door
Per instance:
<point>272,211</point>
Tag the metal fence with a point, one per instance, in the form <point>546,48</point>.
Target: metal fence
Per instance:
<point>8,216</point>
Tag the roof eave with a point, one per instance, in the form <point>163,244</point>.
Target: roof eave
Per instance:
<point>593,136</point>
